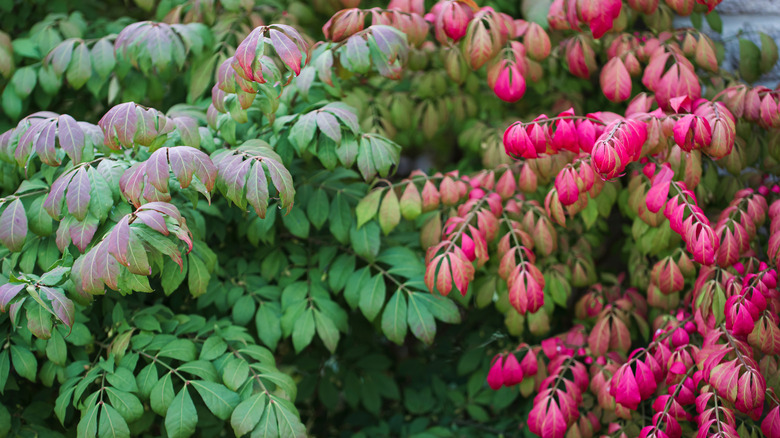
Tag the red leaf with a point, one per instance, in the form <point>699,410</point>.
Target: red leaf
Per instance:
<point>615,80</point>
<point>287,50</point>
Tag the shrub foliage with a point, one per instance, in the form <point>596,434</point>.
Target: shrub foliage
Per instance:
<point>211,221</point>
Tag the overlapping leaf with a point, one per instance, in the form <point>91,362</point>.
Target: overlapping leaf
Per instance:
<point>148,180</point>
<point>241,176</point>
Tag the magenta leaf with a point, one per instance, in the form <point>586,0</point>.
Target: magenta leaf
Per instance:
<point>78,195</point>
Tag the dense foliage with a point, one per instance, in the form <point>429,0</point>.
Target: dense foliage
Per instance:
<point>211,223</point>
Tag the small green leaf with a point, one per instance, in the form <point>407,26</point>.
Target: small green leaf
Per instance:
<point>373,297</point>
<point>365,240</point>
<point>268,322</point>
<point>235,372</point>
<point>198,275</point>
<point>296,223</point>
<point>111,424</point>
<point>327,331</point>
<point>25,363</point>
<point>181,418</point>
<point>749,59</point>
<point>248,413</point>
<point>88,425</point>
<point>317,208</point>
<point>212,348</point>
<point>180,349</point>
<point>303,331</point>
<point>126,404</point>
<point>368,207</point>
<point>161,395</point>
<point>220,400</point>
<point>394,318</point>
<point>421,320</point>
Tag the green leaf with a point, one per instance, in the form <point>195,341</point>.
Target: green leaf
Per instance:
<point>365,240</point>
<point>56,350</point>
<point>357,282</point>
<point>235,372</point>
<point>296,223</point>
<point>161,396</point>
<point>126,404</point>
<point>290,425</point>
<point>88,425</point>
<point>24,80</point>
<point>373,297</point>
<point>442,308</point>
<point>181,418</point>
<point>590,214</point>
<point>146,380</point>
<point>112,425</point>
<point>5,421</point>
<point>317,208</point>
<point>213,348</point>
<point>172,275</point>
<point>421,320</point>
<point>5,369</point>
<point>340,218</point>
<point>25,363</point>
<point>394,318</point>
<point>123,379</point>
<point>248,413</point>
<point>389,212</point>
<point>198,276</point>
<point>749,59</point>
<point>200,368</point>
<point>181,349</point>
<point>769,53</point>
<point>715,22</point>
<point>244,310</point>
<point>340,270</point>
<point>327,331</point>
<point>220,400</point>
<point>303,331</point>
<point>80,67</point>
<point>268,322</point>
<point>368,207</point>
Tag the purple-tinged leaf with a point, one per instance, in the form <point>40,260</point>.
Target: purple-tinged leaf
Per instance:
<point>13,226</point>
<point>291,32</point>
<point>8,292</point>
<point>63,307</point>
<point>146,127</point>
<point>71,137</point>
<point>89,273</point>
<point>165,208</point>
<point>287,50</point>
<point>235,181</point>
<point>152,194</point>
<point>329,125</point>
<point>110,273</point>
<point>181,165</point>
<point>153,220</point>
<point>82,232</point>
<point>62,237</point>
<point>118,238</point>
<point>204,168</point>
<point>283,182</point>
<point>138,262</point>
<point>78,196</point>
<point>188,129</point>
<point>245,55</point>
<point>60,56</point>
<point>132,182</point>
<point>257,189</point>
<point>26,140</point>
<point>345,113</point>
<point>119,125</point>
<point>157,173</point>
<point>53,203</point>
<point>44,145</point>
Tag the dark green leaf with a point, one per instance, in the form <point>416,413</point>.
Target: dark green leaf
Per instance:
<point>220,400</point>
<point>181,418</point>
